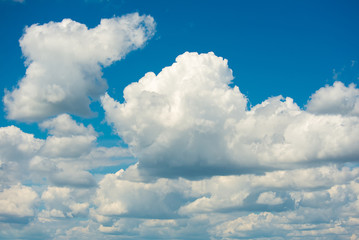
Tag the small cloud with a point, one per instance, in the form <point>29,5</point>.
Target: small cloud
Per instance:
<point>336,99</point>
<point>269,198</point>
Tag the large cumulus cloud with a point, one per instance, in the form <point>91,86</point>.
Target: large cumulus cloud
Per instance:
<point>64,62</point>
<point>283,171</point>
<point>187,121</point>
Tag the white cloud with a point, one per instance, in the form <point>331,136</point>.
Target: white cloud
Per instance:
<point>188,122</point>
<point>200,149</point>
<point>16,149</point>
<point>68,139</point>
<point>64,62</point>
<point>118,196</point>
<point>176,118</point>
<point>224,205</point>
<point>74,177</point>
<point>336,99</point>
<point>269,198</point>
<point>324,220</point>
<point>16,144</point>
<point>17,202</point>
<point>56,194</point>
<point>254,225</point>
<point>64,202</point>
<point>300,200</point>
<point>74,146</point>
<point>249,192</point>
<point>63,126</point>
<point>305,179</point>
<point>64,158</point>
<point>70,151</point>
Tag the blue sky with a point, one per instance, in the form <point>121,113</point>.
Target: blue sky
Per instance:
<point>237,119</point>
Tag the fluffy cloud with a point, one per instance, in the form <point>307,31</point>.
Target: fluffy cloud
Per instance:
<point>63,125</point>
<point>208,166</point>
<point>336,99</point>
<point>17,202</point>
<point>250,192</point>
<point>231,206</point>
<point>119,196</point>
<point>187,121</point>
<point>67,138</point>
<point>70,151</point>
<point>187,125</point>
<point>64,62</point>
<point>255,225</point>
<point>63,202</point>
<point>16,145</point>
<point>269,198</point>
<point>64,157</point>
<point>16,149</point>
<point>176,119</point>
<point>319,214</point>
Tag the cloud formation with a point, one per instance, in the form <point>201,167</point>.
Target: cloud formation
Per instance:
<point>336,99</point>
<point>274,171</point>
<point>188,122</point>
<point>16,148</point>
<point>316,202</point>
<point>17,203</point>
<point>64,158</point>
<point>200,164</point>
<point>64,62</point>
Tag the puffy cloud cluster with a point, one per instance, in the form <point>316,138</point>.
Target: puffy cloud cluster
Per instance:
<point>63,155</point>
<point>187,121</point>
<point>206,167</point>
<point>67,139</point>
<point>200,150</point>
<point>119,195</point>
<point>62,161</point>
<point>64,158</point>
<point>318,214</point>
<point>316,202</point>
<point>64,62</point>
